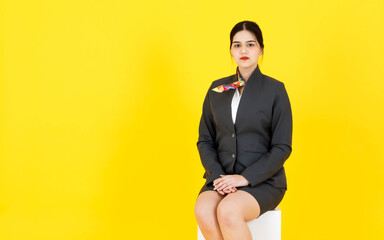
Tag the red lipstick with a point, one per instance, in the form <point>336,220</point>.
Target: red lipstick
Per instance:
<point>244,58</point>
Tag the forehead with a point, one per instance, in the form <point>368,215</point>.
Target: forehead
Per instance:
<point>243,36</point>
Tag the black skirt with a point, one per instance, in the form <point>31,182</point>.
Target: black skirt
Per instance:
<point>268,196</point>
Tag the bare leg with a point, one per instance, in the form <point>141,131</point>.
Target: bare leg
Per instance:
<point>233,213</point>
<point>206,214</point>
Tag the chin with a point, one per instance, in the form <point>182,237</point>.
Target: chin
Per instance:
<point>247,65</point>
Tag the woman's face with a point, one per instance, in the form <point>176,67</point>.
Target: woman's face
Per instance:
<point>245,49</point>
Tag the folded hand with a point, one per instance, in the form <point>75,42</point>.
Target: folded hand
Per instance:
<point>228,183</point>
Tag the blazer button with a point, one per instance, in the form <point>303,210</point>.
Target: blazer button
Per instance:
<point>233,155</point>
<point>233,135</point>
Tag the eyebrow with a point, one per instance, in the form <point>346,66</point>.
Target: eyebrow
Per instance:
<point>246,41</point>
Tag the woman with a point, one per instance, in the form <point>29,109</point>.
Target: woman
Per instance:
<point>245,136</point>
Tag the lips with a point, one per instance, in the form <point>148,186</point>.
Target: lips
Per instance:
<point>244,58</point>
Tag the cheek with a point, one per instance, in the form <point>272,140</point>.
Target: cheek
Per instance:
<point>257,52</point>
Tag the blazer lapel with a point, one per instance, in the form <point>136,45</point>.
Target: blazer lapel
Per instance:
<point>228,102</point>
<point>246,102</point>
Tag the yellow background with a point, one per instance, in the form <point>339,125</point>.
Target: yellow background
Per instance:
<point>101,100</point>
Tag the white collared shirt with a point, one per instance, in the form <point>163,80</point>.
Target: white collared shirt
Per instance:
<point>235,104</point>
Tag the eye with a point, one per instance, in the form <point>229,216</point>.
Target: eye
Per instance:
<point>236,45</point>
<point>251,44</point>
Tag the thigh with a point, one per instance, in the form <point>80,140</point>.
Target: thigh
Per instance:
<point>207,202</point>
<point>242,203</point>
<point>209,198</point>
<point>266,195</point>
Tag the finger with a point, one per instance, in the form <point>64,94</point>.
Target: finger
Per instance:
<point>217,181</point>
<point>227,191</point>
<point>223,182</point>
<point>222,186</point>
<point>219,185</point>
<point>221,192</point>
<point>228,187</point>
<point>232,190</point>
<point>229,179</point>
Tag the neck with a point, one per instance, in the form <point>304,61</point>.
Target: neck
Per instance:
<point>245,73</point>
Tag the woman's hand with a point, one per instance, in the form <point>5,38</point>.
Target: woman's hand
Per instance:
<point>227,190</point>
<point>229,182</point>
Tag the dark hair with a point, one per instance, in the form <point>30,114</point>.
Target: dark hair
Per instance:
<point>249,26</point>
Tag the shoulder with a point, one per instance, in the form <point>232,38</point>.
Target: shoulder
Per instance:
<point>275,88</point>
<point>273,82</point>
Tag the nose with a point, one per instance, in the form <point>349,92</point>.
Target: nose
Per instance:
<point>243,50</point>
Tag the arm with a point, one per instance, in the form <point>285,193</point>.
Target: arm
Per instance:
<point>206,143</point>
<point>281,142</point>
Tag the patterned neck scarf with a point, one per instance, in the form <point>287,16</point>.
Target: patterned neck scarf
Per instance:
<point>233,85</point>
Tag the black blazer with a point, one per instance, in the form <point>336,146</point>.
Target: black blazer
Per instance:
<point>261,140</point>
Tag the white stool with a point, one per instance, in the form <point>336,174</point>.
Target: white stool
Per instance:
<point>266,227</point>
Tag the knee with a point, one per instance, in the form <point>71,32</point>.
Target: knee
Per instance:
<point>205,216</point>
<point>200,210</point>
<point>227,215</point>
<point>206,219</point>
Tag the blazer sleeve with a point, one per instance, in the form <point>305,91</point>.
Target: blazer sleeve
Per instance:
<point>281,141</point>
<point>206,143</point>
